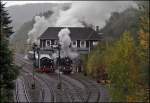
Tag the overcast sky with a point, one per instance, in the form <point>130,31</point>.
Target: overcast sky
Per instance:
<point>11,3</point>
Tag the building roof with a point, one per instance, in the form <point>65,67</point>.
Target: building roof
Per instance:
<point>77,33</point>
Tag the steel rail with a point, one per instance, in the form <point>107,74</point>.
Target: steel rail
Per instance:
<point>25,91</point>
<point>75,89</point>
<point>89,86</point>
<point>16,93</point>
<point>38,78</point>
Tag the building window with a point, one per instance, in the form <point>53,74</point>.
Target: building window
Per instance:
<point>52,42</point>
<point>41,43</point>
<point>74,44</point>
<point>87,44</point>
<point>55,42</point>
<point>82,44</point>
<point>44,43</point>
<point>78,43</point>
<point>48,43</point>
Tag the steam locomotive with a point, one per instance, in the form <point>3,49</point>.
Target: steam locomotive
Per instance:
<point>46,65</point>
<point>65,64</point>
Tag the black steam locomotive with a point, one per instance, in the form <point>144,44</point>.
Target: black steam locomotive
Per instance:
<point>65,64</point>
<point>46,65</point>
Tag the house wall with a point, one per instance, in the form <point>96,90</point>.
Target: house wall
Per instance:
<point>81,45</point>
<point>42,43</point>
<point>47,42</point>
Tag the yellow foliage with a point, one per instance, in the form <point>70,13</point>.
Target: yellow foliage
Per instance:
<point>144,39</point>
<point>131,98</point>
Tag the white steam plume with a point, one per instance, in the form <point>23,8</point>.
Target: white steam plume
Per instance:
<point>41,24</point>
<point>91,12</point>
<point>65,42</point>
<point>64,37</point>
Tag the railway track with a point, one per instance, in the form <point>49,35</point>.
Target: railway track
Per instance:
<point>39,87</point>
<point>60,94</point>
<point>74,90</point>
<point>78,94</point>
<point>71,92</point>
<point>66,95</point>
<point>46,90</point>
<point>21,91</point>
<point>67,89</point>
<point>92,91</point>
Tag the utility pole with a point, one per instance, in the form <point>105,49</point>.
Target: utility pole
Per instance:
<point>38,51</point>
<point>34,64</point>
<point>59,86</point>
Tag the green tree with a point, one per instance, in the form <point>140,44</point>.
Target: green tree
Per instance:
<point>8,70</point>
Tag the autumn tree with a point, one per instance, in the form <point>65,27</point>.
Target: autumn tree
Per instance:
<point>123,68</point>
<point>126,61</point>
<point>121,61</point>
<point>95,61</point>
<point>143,33</point>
